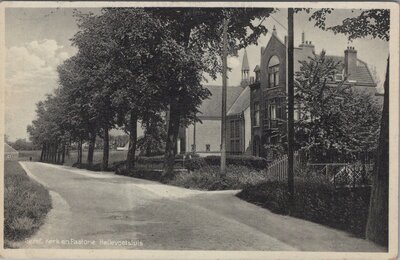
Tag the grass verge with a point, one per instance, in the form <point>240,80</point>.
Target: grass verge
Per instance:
<point>26,203</point>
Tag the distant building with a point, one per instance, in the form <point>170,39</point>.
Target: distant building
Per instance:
<point>205,137</point>
<point>269,90</point>
<point>10,154</point>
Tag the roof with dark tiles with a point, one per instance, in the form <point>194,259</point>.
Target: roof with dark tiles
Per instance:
<point>241,103</point>
<point>9,149</point>
<point>211,107</point>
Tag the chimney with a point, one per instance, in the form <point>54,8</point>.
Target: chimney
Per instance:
<point>274,31</point>
<point>307,47</point>
<point>303,37</point>
<point>350,61</point>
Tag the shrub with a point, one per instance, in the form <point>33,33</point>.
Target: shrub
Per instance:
<point>139,172</point>
<point>195,163</point>
<point>345,209</point>
<point>253,162</point>
<point>115,165</point>
<point>26,203</point>
<point>208,178</point>
<point>96,167</point>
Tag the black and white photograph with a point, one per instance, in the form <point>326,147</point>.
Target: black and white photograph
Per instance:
<point>200,130</point>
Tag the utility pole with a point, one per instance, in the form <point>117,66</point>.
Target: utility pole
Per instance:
<point>223,112</point>
<point>290,126</point>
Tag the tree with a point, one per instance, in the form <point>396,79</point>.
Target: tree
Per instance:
<point>132,43</point>
<point>22,144</point>
<point>153,140</point>
<point>48,129</point>
<point>80,117</point>
<point>196,33</point>
<point>338,122</point>
<point>95,61</point>
<point>373,23</point>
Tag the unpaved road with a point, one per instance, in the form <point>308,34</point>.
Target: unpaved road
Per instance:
<point>102,210</point>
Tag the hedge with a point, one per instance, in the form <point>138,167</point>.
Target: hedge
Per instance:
<point>251,162</point>
<point>345,209</point>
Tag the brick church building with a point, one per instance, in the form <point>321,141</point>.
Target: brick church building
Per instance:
<point>269,90</point>
<point>256,109</point>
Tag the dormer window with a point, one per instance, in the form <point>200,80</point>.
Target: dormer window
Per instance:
<point>273,72</point>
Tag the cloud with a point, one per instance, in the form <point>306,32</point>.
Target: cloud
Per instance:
<point>31,72</point>
<point>233,62</point>
<point>33,65</point>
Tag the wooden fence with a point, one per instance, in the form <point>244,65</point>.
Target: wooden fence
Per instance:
<point>277,170</point>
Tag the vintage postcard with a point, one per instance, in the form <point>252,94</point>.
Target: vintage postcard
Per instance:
<point>199,130</point>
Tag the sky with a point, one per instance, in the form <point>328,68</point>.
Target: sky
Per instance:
<point>38,40</point>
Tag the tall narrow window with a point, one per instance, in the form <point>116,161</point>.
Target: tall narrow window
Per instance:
<point>279,111</point>
<point>273,72</point>
<point>232,128</point>
<point>232,146</point>
<point>256,114</point>
<point>272,112</point>
<point>237,128</point>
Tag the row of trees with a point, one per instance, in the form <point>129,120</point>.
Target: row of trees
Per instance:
<point>138,65</point>
<point>20,144</point>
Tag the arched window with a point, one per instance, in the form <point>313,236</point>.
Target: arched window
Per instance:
<point>273,72</point>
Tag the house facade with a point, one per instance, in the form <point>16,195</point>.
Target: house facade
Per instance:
<point>268,92</point>
<point>10,154</point>
<point>204,137</point>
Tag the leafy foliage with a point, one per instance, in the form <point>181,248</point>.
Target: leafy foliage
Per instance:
<point>337,121</point>
<point>373,23</point>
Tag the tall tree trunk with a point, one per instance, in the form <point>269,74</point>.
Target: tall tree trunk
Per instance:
<point>63,154</point>
<point>47,153</point>
<point>56,153</point>
<point>172,135</point>
<point>79,148</point>
<point>42,153</point>
<point>130,160</point>
<point>68,148</point>
<point>377,225</point>
<point>92,141</point>
<point>50,152</point>
<point>106,150</point>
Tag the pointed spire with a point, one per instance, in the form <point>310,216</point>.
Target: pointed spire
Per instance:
<point>245,62</point>
<point>274,30</point>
